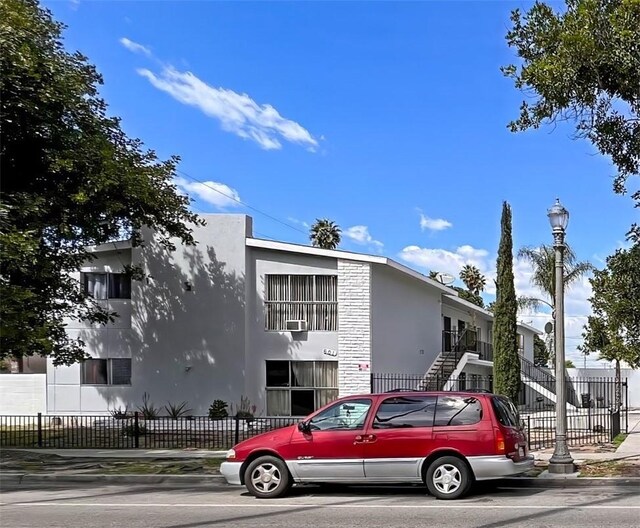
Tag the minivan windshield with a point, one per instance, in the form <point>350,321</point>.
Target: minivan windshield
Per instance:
<point>506,412</point>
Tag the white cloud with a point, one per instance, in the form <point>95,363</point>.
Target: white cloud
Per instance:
<point>237,113</point>
<point>433,224</point>
<point>135,47</point>
<point>360,235</point>
<point>444,260</point>
<point>217,194</point>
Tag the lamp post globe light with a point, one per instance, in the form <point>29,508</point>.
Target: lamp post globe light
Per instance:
<point>561,461</point>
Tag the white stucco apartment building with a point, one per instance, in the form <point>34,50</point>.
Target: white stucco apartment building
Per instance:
<point>289,327</point>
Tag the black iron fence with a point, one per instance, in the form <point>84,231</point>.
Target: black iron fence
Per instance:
<point>584,427</point>
<point>596,419</point>
<point>106,432</point>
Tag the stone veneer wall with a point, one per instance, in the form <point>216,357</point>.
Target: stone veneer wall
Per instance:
<point>354,327</point>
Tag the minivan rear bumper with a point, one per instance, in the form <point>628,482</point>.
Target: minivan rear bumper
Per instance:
<point>498,466</point>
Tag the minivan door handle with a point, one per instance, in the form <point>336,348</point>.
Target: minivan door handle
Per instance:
<point>358,440</point>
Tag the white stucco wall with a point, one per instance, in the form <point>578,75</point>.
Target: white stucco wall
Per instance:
<point>406,323</point>
<point>23,394</point>
<point>528,342</point>
<point>265,345</point>
<point>354,320</point>
<point>185,345</point>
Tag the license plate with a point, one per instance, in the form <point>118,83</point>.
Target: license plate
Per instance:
<point>521,451</point>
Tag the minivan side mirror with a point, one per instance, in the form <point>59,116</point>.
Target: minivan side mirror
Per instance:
<point>304,427</point>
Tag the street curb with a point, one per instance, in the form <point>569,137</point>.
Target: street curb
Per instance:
<point>167,480</point>
<point>572,482</point>
<point>218,480</point>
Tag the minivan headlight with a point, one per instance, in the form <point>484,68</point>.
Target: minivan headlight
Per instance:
<point>231,454</point>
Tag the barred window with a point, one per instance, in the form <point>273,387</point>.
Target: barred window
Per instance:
<point>310,298</point>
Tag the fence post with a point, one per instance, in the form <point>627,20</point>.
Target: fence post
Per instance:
<point>615,424</point>
<point>626,406</point>
<point>136,431</point>
<point>39,429</point>
<point>237,431</point>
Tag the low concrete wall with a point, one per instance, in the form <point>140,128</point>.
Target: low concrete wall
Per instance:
<point>23,394</point>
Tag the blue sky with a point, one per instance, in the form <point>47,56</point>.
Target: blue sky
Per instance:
<point>389,118</point>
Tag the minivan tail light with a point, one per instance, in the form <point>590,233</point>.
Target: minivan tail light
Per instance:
<point>500,445</point>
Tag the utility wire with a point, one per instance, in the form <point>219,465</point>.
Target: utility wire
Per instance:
<point>242,203</point>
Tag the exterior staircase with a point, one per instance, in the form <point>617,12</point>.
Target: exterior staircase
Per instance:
<point>454,346</point>
<point>542,377</point>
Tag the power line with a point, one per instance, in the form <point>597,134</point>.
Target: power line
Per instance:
<point>549,315</point>
<point>242,203</point>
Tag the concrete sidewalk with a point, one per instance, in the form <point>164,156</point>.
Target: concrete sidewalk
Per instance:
<point>125,453</point>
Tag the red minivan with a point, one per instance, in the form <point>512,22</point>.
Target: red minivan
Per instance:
<point>444,439</point>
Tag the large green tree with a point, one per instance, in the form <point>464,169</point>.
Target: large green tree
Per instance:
<point>540,352</point>
<point>325,234</point>
<point>581,65</point>
<point>506,362</point>
<point>71,178</point>
<point>613,330</point>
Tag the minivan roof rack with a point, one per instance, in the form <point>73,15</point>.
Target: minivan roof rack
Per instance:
<point>484,391</point>
<point>402,390</point>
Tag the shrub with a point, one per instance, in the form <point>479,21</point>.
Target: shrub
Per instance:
<point>244,409</point>
<point>218,410</point>
<point>175,411</point>
<point>119,414</point>
<point>148,410</point>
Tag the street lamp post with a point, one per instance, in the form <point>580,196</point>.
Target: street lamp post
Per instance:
<point>561,461</point>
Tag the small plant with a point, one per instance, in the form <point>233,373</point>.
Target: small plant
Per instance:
<point>245,410</point>
<point>148,410</point>
<point>175,410</point>
<point>119,413</point>
<point>218,410</point>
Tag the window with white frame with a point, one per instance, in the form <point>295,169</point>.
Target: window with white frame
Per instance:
<point>114,371</point>
<point>310,298</point>
<point>297,388</point>
<point>107,285</point>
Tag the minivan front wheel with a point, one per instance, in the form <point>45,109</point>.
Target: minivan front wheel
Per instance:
<point>448,478</point>
<point>267,477</point>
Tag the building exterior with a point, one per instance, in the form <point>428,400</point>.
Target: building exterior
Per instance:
<point>286,326</point>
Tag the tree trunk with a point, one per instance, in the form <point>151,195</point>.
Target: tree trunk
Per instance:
<point>618,386</point>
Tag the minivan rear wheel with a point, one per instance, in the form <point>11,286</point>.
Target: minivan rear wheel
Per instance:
<point>448,478</point>
<point>267,477</point>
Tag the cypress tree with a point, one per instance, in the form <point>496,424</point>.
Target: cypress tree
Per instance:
<point>506,363</point>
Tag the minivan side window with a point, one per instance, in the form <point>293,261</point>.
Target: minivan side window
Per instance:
<point>506,412</point>
<point>457,410</point>
<point>345,415</point>
<point>405,411</point>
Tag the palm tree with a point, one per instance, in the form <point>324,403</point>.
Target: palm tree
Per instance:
<point>473,279</point>
<point>325,234</point>
<point>543,262</point>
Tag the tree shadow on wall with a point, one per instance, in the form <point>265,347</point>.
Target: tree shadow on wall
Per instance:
<point>187,336</point>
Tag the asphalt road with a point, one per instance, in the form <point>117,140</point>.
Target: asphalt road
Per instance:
<point>137,507</point>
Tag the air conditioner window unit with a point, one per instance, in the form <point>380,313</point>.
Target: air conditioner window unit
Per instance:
<point>296,326</point>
